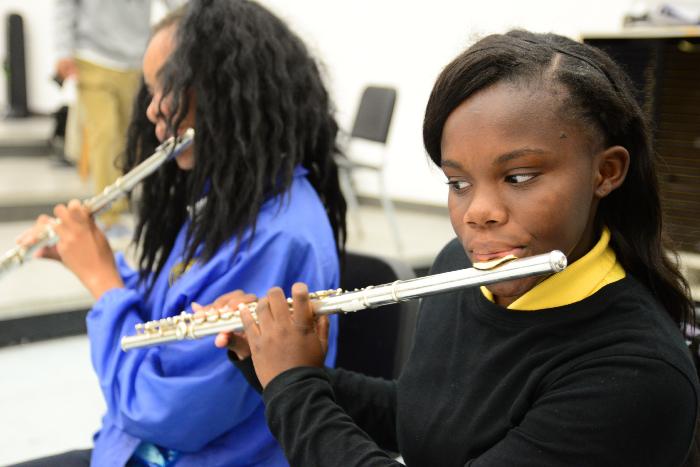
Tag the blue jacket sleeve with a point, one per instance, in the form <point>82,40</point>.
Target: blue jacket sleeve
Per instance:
<point>184,395</point>
<point>128,275</point>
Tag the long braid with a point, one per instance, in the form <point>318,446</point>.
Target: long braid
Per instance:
<point>261,109</point>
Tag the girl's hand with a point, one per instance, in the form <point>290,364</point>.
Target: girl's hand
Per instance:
<point>282,340</point>
<point>83,248</point>
<point>29,237</point>
<point>234,341</point>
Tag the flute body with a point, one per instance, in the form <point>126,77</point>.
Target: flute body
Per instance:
<point>190,326</point>
<point>168,150</point>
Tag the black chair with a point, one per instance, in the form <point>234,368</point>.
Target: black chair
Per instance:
<point>372,123</point>
<point>374,114</point>
<point>375,342</point>
<point>15,68</point>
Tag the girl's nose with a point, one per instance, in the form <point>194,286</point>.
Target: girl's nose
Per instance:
<point>485,209</point>
<point>152,110</point>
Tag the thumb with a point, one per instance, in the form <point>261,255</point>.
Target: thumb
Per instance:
<point>323,327</point>
<point>222,340</point>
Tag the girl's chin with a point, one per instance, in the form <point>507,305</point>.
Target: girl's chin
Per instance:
<point>509,291</point>
<point>185,161</point>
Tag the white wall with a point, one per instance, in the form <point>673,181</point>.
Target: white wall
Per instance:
<point>391,42</point>
<point>405,44</point>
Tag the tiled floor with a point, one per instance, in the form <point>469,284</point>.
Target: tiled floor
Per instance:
<point>32,180</point>
<point>50,401</point>
<point>39,286</point>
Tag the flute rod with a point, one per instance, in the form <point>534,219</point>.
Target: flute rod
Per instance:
<point>168,150</point>
<point>189,326</point>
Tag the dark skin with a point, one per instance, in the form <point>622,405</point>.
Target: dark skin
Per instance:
<point>522,179</point>
<point>280,339</point>
<point>235,341</point>
<point>82,247</point>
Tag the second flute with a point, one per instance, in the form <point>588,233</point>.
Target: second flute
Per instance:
<point>122,186</point>
<point>190,326</point>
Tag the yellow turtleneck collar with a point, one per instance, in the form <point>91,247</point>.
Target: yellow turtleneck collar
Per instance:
<point>583,278</point>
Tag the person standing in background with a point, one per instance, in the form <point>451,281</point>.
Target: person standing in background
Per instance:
<point>100,43</point>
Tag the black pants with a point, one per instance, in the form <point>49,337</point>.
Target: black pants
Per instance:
<point>80,458</point>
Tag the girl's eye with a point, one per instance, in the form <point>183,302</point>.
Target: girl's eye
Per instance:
<point>458,186</point>
<point>519,178</point>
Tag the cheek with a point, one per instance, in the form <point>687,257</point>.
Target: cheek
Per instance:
<point>456,207</point>
<point>188,122</point>
<point>556,218</point>
<point>543,207</point>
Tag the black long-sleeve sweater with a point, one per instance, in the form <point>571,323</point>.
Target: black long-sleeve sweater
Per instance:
<point>607,381</point>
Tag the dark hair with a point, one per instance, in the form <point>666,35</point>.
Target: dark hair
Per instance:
<point>601,96</point>
<point>261,109</point>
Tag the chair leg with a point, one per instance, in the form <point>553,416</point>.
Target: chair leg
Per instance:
<point>390,212</point>
<point>348,189</point>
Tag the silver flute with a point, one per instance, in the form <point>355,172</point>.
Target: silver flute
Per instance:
<point>213,321</point>
<point>168,150</point>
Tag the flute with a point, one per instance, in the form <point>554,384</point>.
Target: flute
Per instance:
<point>194,326</point>
<point>168,150</point>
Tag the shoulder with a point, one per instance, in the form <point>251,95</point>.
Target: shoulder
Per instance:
<point>297,217</point>
<point>297,207</point>
<point>634,409</point>
<point>632,375</point>
<point>293,226</point>
<point>637,409</point>
<point>643,325</point>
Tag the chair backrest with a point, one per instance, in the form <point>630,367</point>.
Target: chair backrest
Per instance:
<point>375,342</point>
<point>374,114</point>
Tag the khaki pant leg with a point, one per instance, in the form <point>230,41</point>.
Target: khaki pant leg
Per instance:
<point>127,84</point>
<point>128,87</point>
<point>100,92</point>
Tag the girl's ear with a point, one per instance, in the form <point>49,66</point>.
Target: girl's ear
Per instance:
<point>613,163</point>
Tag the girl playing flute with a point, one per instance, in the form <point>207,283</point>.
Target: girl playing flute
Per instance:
<point>544,147</point>
<point>259,186</point>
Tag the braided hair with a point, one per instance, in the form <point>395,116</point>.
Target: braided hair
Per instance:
<point>600,96</point>
<point>261,109</point>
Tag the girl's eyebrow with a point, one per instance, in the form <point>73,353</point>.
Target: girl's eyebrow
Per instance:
<point>450,163</point>
<point>502,159</point>
<point>510,155</point>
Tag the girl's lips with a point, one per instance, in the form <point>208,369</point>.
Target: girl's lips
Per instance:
<point>483,255</point>
<point>160,133</point>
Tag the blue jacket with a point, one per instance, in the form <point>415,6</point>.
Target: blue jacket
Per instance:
<point>187,396</point>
